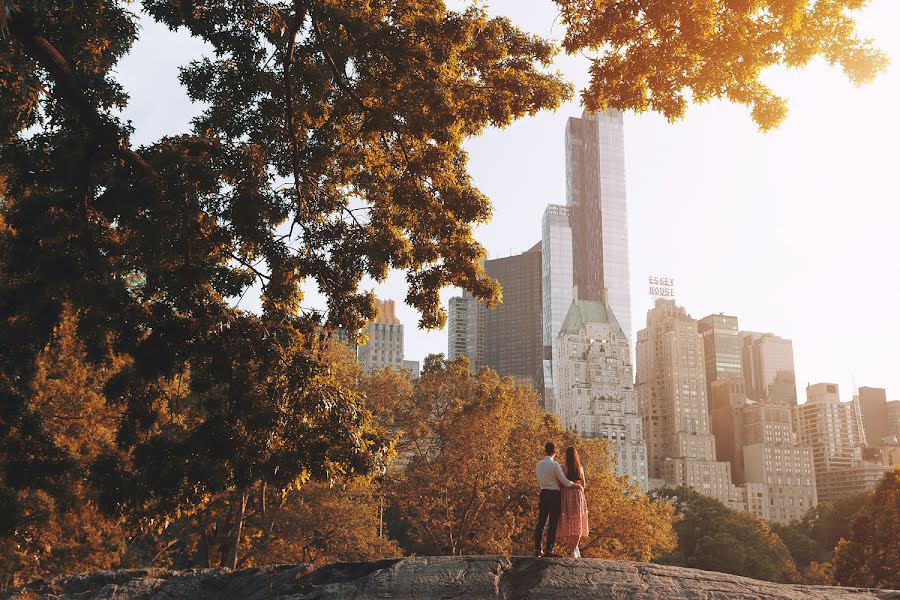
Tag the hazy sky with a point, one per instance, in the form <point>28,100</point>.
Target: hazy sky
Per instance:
<point>794,231</point>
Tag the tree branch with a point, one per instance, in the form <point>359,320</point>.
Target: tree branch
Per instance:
<point>67,87</point>
<point>339,76</point>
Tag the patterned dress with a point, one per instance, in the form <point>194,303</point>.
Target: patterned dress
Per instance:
<point>573,521</point>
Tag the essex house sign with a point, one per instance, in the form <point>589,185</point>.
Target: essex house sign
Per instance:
<point>662,287</point>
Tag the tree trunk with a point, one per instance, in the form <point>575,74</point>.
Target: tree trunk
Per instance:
<point>231,559</point>
<point>262,500</point>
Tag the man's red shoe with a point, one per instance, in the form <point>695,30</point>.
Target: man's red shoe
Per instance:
<point>538,553</point>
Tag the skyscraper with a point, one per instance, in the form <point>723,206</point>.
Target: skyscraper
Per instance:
<point>721,349</point>
<point>768,365</point>
<point>874,408</point>
<point>773,461</point>
<point>465,329</point>
<point>893,418</point>
<point>595,195</point>
<point>727,400</point>
<point>671,389</point>
<point>833,430</point>
<point>595,394</point>
<point>513,335</point>
<point>384,347</point>
<point>556,287</point>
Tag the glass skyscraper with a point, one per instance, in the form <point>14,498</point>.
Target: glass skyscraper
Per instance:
<point>595,195</point>
<point>556,287</point>
<point>512,331</point>
<point>721,349</point>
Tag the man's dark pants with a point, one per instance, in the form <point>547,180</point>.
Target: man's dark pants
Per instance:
<point>549,507</point>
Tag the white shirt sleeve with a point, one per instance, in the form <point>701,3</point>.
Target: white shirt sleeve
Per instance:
<point>563,480</point>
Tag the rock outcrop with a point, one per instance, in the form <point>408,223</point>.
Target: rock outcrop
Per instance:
<point>463,578</point>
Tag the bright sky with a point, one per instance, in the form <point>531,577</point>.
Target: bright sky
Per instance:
<point>793,231</point>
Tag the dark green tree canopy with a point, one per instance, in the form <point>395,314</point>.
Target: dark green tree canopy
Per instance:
<point>713,537</point>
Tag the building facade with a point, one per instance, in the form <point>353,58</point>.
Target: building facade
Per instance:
<point>784,472</point>
<point>595,391</point>
<point>833,430</point>
<point>874,408</point>
<point>727,401</point>
<point>556,287</point>
<point>721,349</point>
<point>671,389</point>
<point>768,365</point>
<point>893,418</point>
<point>513,334</point>
<point>861,477</point>
<point>384,347</point>
<point>465,329</point>
<point>412,367</point>
<point>773,459</point>
<point>595,195</point>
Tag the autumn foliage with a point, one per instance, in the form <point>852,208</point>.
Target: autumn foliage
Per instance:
<point>870,556</point>
<point>139,401</point>
<point>469,444</point>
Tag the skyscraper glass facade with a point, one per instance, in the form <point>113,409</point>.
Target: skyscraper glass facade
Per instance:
<point>513,335</point>
<point>721,349</point>
<point>556,285</point>
<point>595,194</point>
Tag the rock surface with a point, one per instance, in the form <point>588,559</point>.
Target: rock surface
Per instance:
<point>446,578</point>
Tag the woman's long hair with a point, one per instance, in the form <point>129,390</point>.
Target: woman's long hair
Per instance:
<point>573,465</point>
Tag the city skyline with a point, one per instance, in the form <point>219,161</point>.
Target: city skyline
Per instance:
<point>762,231</point>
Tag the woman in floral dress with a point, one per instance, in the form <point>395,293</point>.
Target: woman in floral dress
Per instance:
<point>573,521</point>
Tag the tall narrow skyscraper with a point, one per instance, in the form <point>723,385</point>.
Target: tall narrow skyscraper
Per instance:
<point>465,329</point>
<point>595,195</point>
<point>556,288</point>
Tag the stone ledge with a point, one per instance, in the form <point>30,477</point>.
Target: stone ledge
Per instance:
<point>446,578</point>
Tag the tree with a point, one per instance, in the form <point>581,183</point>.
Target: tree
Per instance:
<point>330,149</point>
<point>153,246</point>
<point>469,443</point>
<point>323,523</point>
<point>812,539</point>
<point>65,532</point>
<point>870,555</point>
<point>311,521</point>
<point>661,55</point>
<point>713,537</point>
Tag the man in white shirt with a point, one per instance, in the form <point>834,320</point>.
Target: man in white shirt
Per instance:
<point>550,477</point>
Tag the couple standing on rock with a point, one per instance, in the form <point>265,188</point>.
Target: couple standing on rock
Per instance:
<point>562,502</point>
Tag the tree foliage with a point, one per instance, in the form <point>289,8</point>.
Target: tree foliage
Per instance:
<point>870,555</point>
<point>314,162</point>
<point>330,148</point>
<point>713,537</point>
<point>812,539</point>
<point>661,55</point>
<point>62,531</point>
<point>469,444</point>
